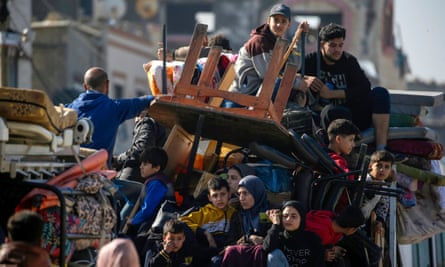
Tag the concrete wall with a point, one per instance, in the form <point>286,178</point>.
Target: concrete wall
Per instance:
<point>125,55</point>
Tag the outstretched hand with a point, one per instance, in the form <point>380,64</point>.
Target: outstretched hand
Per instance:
<point>304,26</point>
<point>274,216</point>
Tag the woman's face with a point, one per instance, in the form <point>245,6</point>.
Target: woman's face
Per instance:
<point>291,218</point>
<point>246,199</point>
<point>233,178</point>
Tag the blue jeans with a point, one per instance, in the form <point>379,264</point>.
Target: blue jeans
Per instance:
<point>277,258</point>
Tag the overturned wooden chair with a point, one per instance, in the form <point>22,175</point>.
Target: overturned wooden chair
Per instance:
<point>196,107</point>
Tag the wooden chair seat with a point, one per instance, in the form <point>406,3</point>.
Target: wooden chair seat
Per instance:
<point>259,118</point>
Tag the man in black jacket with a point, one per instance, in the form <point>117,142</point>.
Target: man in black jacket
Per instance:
<point>344,89</point>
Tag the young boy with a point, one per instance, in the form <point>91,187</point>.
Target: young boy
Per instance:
<point>331,228</point>
<point>211,222</point>
<point>172,252</point>
<point>380,170</point>
<point>157,185</point>
<point>23,244</point>
<point>341,134</point>
<point>254,57</point>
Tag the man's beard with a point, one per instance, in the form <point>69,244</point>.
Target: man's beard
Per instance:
<point>328,57</point>
<point>331,59</point>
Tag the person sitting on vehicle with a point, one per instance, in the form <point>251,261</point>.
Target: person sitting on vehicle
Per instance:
<point>342,134</point>
<point>287,242</point>
<point>234,174</point>
<point>23,243</point>
<point>380,171</point>
<point>211,222</point>
<point>331,228</point>
<point>157,187</point>
<point>105,113</point>
<point>248,226</point>
<point>174,250</point>
<point>255,55</point>
<point>146,133</point>
<point>343,87</point>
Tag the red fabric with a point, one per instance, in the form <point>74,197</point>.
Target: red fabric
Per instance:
<point>320,222</point>
<point>341,162</point>
<point>343,201</point>
<point>424,148</point>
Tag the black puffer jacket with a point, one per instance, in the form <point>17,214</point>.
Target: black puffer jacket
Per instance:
<point>146,133</point>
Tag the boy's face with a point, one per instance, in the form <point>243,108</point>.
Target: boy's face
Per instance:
<point>332,50</point>
<point>219,198</point>
<point>350,230</point>
<point>246,199</point>
<point>291,218</point>
<point>147,169</point>
<point>278,25</point>
<point>380,170</point>
<point>345,143</point>
<point>233,178</point>
<point>174,241</point>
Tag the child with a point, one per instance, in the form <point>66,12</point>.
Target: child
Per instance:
<point>234,175</point>
<point>23,244</point>
<point>172,251</point>
<point>287,242</point>
<point>380,170</point>
<point>331,228</point>
<point>157,185</point>
<point>341,134</point>
<point>254,56</point>
<point>212,222</point>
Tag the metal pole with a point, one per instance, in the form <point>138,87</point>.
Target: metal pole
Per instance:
<point>164,61</point>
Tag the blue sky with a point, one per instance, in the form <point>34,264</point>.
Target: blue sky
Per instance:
<point>422,35</point>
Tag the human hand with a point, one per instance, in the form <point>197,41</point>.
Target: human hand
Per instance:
<point>314,83</point>
<point>334,253</point>
<point>304,26</point>
<point>274,216</point>
<point>378,226</point>
<point>256,239</point>
<point>210,239</point>
<point>169,54</point>
<point>146,66</point>
<point>168,246</point>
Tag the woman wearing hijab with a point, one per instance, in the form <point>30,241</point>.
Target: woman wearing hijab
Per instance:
<point>247,226</point>
<point>120,252</point>
<point>287,243</point>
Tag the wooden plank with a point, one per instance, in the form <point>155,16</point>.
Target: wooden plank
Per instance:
<point>223,125</point>
<point>224,85</point>
<point>211,64</point>
<point>242,99</point>
<point>272,71</point>
<point>199,33</point>
<point>284,91</point>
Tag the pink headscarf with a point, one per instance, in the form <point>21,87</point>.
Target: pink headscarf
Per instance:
<point>120,252</point>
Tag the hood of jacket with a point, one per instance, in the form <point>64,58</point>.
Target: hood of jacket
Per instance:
<point>264,31</point>
<point>89,100</point>
<point>24,254</point>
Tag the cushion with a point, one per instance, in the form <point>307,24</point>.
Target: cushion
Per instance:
<point>425,148</point>
<point>34,106</point>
